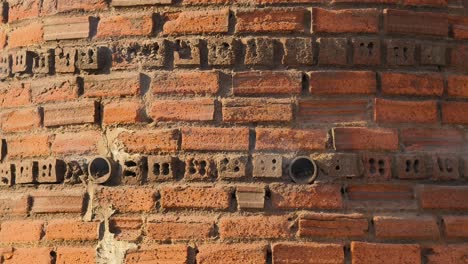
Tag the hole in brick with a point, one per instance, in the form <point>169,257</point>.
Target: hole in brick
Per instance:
<point>5,180</point>
<point>236,169</point>
<point>165,169</point>
<point>100,169</point>
<point>156,169</point>
<point>303,170</point>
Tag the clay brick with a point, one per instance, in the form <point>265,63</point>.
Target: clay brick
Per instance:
<point>425,84</point>
<point>212,138</point>
<point>26,35</point>
<point>452,253</point>
<point>129,54</point>
<point>443,197</point>
<point>71,114</point>
<point>198,197</point>
<point>290,139</point>
<point>333,111</point>
<point>15,94</point>
<point>3,38</point>
<point>123,3</point>
<point>187,52</point>
<point>70,201</point>
<point>273,226</point>
<point>125,25</point>
<point>84,142</point>
<point>149,141</point>
<point>257,110</point>
<point>231,166</point>
<point>366,51</point>
<point>64,229</point>
<point>362,252</point>
<point>42,61</point>
<point>454,112</point>
<point>127,200</point>
<point>361,138</point>
<point>259,52</point>
<point>222,51</point>
<point>19,10</point>
<point>29,255</point>
<point>232,253</point>
<point>158,254</point>
<point>86,5</point>
<point>21,120</point>
<point>298,51</point>
<point>437,140</point>
<point>113,85</point>
<point>456,226</point>
<point>197,22</point>
<point>435,3</point>
<point>180,228</point>
<point>185,83</point>
<point>332,51</point>
<point>126,228</point>
<point>457,86</point>
<point>413,166</point>
<point>66,28</point>
<point>17,231</point>
<point>250,197</point>
<point>333,225</point>
<point>406,227</point>
<point>433,54</point>
<point>54,90</point>
<point>393,111</point>
<point>400,52</point>
<point>14,203</point>
<point>77,255</point>
<point>267,82</point>
<point>289,252</point>
<point>458,57</point>
<point>446,167</point>
<point>419,23</point>
<point>29,146</point>
<point>348,20</point>
<point>342,82</point>
<point>306,197</point>
<point>123,112</point>
<point>199,109</point>
<point>382,196</point>
<point>270,20</point>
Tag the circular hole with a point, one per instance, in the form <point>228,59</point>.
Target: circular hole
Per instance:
<point>273,161</point>
<point>303,170</point>
<point>100,169</point>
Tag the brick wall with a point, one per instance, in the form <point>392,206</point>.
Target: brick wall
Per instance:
<point>201,107</point>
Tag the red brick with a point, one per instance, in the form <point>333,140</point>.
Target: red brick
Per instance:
<point>436,140</point>
<point>333,225</point>
<point>267,82</point>
<point>290,139</point>
<point>69,201</point>
<point>342,82</point>
<point>411,23</point>
<point>61,28</point>
<point>127,200</point>
<point>76,255</point>
<point>406,227</point>
<point>443,197</point>
<point>54,90</point>
<point>21,120</point>
<point>87,5</point>
<point>124,112</point>
<point>306,196</point>
<point>434,3</point>
<point>305,252</point>
<point>456,226</point>
<point>457,86</point>
<point>270,20</point>
<point>64,229</point>
<point>15,94</point>
<point>232,253</point>
<point>180,228</point>
<point>454,112</point>
<point>260,226</point>
<point>3,39</point>
<point>113,85</point>
<point>442,254</point>
<point>362,252</point>
<point>380,196</point>
<point>16,231</point>
<point>362,138</point>
<point>197,22</point>
<point>19,10</point>
<point>14,203</point>
<point>125,25</point>
<point>83,142</point>
<point>26,35</point>
<point>126,228</point>
<point>185,83</point>
<point>29,255</point>
<point>333,111</point>
<point>350,20</point>
<point>392,111</point>
<point>214,138</point>
<point>148,141</point>
<point>122,3</point>
<point>421,84</point>
<point>198,109</point>
<point>199,197</point>
<point>257,110</point>
<point>29,146</point>
<point>458,57</point>
<point>76,113</point>
<point>158,254</point>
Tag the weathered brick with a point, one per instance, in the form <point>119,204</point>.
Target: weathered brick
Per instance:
<point>197,22</point>
<point>126,228</point>
<point>456,226</point>
<point>232,254</point>
<point>3,38</point>
<point>14,203</point>
<point>289,252</point>
<point>458,57</point>
<point>148,141</point>
<point>158,254</point>
<point>213,138</point>
<point>333,111</point>
<point>362,252</point>
<point>180,228</point>
<point>362,138</point>
<point>84,142</point>
<point>39,255</point>
<point>342,82</point>
<point>259,52</point>
<point>67,28</point>
<point>64,229</point>
<point>257,110</point>
<point>77,255</point>
<point>273,226</point>
<point>26,35</point>
<point>21,231</point>
<point>400,52</point>
<point>87,5</point>
<point>127,200</point>
<point>125,25</point>
<point>421,84</point>
<point>15,94</point>
<point>19,10</point>
<point>113,85</point>
<point>366,51</point>
<point>419,23</point>
<point>406,227</point>
<point>21,120</point>
<point>290,139</point>
<point>123,112</point>
<point>267,82</point>
<point>457,86</point>
<point>29,146</point>
<point>199,197</point>
<point>54,90</point>
<point>333,225</point>
<point>122,3</point>
<point>393,111</point>
<point>451,253</point>
<point>437,140</point>
<point>71,114</point>
<point>454,112</point>
<point>270,20</point>
<point>443,197</point>
<point>332,51</point>
<point>70,201</point>
<point>298,51</point>
<point>306,197</point>
<point>185,83</point>
<point>348,20</point>
<point>199,109</point>
<point>434,3</point>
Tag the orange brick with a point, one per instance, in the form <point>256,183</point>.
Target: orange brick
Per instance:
<point>232,253</point>
<point>333,225</point>
<point>456,226</point>
<point>421,84</point>
<point>454,112</point>
<point>29,146</point>
<point>342,82</point>
<point>29,255</point>
<point>69,201</point>
<point>185,83</point>
<point>198,197</point>
<point>158,254</point>
<point>270,20</point>
<point>87,5</point>
<point>267,82</point>
<point>257,110</point>
<point>362,253</point>
<point>362,138</point>
<point>150,141</point>
<point>457,86</point>
<point>125,25</point>
<point>19,10</point>
<point>180,228</point>
<point>199,109</point>
<point>260,226</point>
<point>393,111</point>
<point>288,196</point>
<point>21,120</point>
<point>284,253</point>
<point>122,113</point>
<point>26,35</point>
<point>63,229</point>
<point>351,20</point>
<point>76,255</point>
<point>197,22</point>
<point>406,227</point>
<point>290,139</point>
<point>83,142</point>
<point>443,197</point>
<point>21,231</point>
<point>214,138</point>
<point>126,200</point>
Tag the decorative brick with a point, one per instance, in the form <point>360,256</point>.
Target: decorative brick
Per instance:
<point>332,51</point>
<point>400,52</point>
<point>366,51</point>
<point>298,51</point>
<point>259,52</point>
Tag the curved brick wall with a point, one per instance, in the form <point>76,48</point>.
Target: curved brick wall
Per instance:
<point>202,105</point>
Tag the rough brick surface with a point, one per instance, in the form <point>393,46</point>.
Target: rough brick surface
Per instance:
<point>362,252</point>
